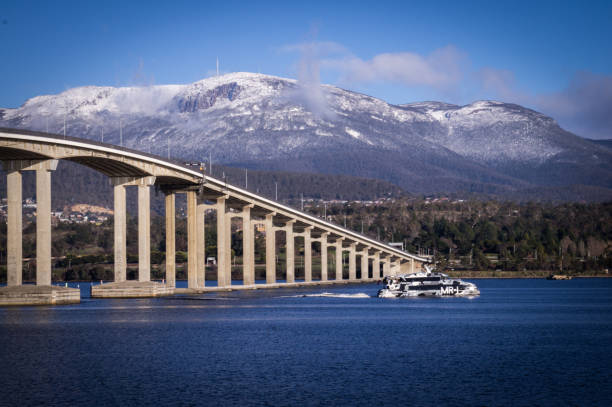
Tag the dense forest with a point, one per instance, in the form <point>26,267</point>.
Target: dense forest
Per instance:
<point>462,235</point>
<point>490,235</point>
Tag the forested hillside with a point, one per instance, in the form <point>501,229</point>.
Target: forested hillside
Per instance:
<point>463,235</point>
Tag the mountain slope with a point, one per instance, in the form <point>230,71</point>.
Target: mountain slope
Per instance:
<point>266,122</point>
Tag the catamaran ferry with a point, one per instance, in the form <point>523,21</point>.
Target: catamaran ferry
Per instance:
<point>426,284</point>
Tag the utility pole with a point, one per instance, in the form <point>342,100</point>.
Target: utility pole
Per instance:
<point>276,191</point>
<point>102,134</point>
<point>246,178</point>
<point>325,210</point>
<point>302,202</point>
<point>120,132</point>
<point>168,140</point>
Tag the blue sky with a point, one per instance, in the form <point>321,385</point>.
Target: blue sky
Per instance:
<point>554,57</point>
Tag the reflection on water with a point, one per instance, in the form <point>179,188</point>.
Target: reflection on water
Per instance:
<point>521,342</point>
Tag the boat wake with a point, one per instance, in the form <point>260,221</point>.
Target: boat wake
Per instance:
<point>330,295</point>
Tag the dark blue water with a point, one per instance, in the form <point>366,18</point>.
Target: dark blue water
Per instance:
<point>522,342</point>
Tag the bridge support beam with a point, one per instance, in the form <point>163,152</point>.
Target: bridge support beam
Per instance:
<point>307,255</point>
<point>43,226</point>
<point>376,266</point>
<point>223,265</point>
<point>14,236</point>
<point>201,245</point>
<point>144,232</point>
<point>290,252</point>
<point>365,264</point>
<point>170,239</point>
<point>248,247</point>
<point>192,240</point>
<point>339,259</point>
<point>352,261</point>
<point>270,249</point>
<point>386,267</point>
<point>119,215</point>
<point>324,270</point>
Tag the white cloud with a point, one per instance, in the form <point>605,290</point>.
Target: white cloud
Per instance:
<point>442,69</point>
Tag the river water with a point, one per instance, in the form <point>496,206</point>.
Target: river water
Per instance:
<point>522,342</point>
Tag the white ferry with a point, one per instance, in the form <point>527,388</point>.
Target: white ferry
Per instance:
<point>426,284</point>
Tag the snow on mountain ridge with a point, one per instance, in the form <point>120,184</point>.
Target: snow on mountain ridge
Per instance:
<point>265,120</point>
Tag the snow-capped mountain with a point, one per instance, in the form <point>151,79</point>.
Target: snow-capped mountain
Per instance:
<point>268,122</point>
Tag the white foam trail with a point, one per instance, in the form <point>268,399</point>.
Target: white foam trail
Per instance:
<point>330,295</point>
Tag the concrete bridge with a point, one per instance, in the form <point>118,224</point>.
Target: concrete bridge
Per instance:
<point>22,150</point>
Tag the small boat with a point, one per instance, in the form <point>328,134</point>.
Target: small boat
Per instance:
<point>559,277</point>
<point>426,284</point>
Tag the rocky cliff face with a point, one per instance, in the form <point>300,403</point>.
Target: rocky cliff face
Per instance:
<point>267,122</point>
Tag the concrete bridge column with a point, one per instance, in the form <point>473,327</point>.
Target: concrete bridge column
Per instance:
<point>248,247</point>
<point>192,240</point>
<point>14,236</point>
<point>307,255</point>
<point>43,226</point>
<point>170,239</point>
<point>412,265</point>
<point>144,231</point>
<point>120,230</point>
<point>365,264</point>
<point>228,248</point>
<point>339,259</point>
<point>270,250</point>
<point>396,267</point>
<point>223,266</point>
<point>201,242</point>
<point>324,275</point>
<point>290,252</point>
<point>386,267</point>
<point>353,261</point>
<point>376,266</point>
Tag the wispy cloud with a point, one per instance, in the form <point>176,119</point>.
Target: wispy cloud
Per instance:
<point>585,106</point>
<point>441,69</point>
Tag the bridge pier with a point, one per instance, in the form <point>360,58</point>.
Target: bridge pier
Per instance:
<point>170,239</point>
<point>324,268</point>
<point>120,230</point>
<point>352,262</point>
<point>144,232</point>
<point>307,255</point>
<point>143,287</point>
<point>248,247</point>
<point>290,252</point>
<point>270,249</point>
<point>365,264</point>
<point>376,266</point>
<point>223,265</point>
<point>14,244</point>
<point>201,244</point>
<point>386,267</point>
<point>339,259</point>
<point>43,293</point>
